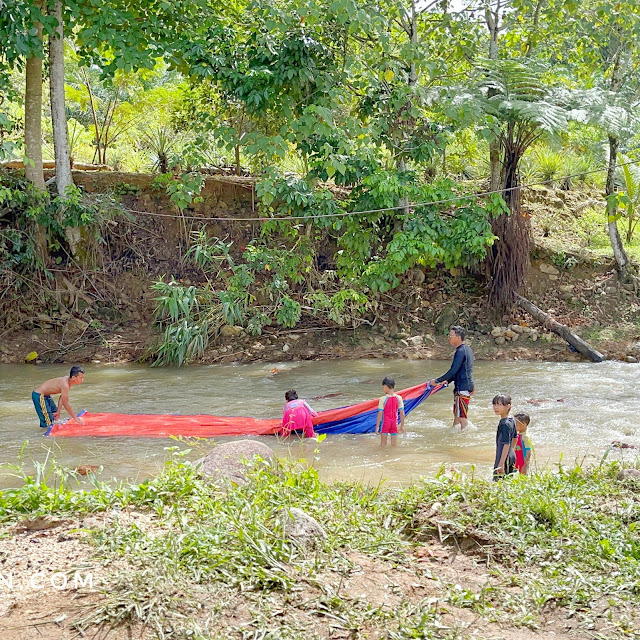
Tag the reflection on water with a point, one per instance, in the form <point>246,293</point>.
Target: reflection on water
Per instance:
<point>597,406</point>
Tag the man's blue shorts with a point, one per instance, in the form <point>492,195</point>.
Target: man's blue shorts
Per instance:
<point>45,408</point>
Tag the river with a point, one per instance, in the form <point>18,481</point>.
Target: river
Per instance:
<point>580,409</point>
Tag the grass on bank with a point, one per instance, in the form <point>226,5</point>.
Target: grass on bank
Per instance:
<point>566,541</point>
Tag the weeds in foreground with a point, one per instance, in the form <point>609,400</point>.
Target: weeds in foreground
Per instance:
<point>567,542</point>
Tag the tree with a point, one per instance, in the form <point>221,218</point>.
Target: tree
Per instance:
<point>64,178</point>
<point>606,56</point>
<point>22,24</point>
<point>33,118</point>
<point>515,107</point>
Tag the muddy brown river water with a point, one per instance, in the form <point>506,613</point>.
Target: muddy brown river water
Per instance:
<point>599,405</point>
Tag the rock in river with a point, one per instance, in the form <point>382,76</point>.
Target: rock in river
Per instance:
<point>232,459</point>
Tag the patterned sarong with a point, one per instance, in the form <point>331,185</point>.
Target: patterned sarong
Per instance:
<point>461,400</point>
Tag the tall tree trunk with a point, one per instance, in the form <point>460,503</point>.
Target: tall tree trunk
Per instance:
<point>64,179</point>
<point>33,137</point>
<point>622,260</point>
<point>413,37</point>
<point>508,259</point>
<point>494,164</point>
<point>620,61</point>
<point>33,120</point>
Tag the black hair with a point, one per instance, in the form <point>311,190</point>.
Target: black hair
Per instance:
<point>389,382</point>
<point>502,398</point>
<point>522,417</point>
<point>75,371</point>
<point>459,331</point>
<point>290,395</point>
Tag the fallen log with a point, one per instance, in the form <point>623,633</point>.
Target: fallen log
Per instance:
<point>560,329</point>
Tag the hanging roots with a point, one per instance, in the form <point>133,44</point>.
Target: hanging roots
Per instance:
<point>508,258</point>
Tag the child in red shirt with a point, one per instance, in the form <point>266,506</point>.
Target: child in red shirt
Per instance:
<point>523,446</point>
<point>388,408</point>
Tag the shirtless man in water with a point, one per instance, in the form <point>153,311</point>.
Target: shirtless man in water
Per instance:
<point>44,404</point>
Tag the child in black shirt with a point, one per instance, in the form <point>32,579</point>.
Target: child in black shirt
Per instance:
<point>506,438</point>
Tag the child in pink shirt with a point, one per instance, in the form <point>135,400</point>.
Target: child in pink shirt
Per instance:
<point>297,416</point>
<point>389,407</point>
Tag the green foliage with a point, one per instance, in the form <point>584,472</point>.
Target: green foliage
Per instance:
<point>207,252</point>
<point>292,196</point>
<point>345,307</point>
<point>27,208</point>
<point>583,169</point>
<point>377,249</point>
<point>8,147</point>
<point>373,104</point>
<point>185,314</point>
<point>630,175</point>
<point>183,191</point>
<point>549,164</point>
<point>162,143</point>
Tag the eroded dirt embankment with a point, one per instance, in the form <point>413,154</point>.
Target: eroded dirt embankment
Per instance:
<point>103,311</point>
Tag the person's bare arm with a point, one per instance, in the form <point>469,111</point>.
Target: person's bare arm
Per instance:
<point>402,421</point>
<point>64,401</point>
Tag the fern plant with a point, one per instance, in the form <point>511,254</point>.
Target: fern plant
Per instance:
<point>518,108</point>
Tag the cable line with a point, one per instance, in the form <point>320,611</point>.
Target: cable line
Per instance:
<point>344,214</point>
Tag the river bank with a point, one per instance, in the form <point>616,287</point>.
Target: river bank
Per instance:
<point>109,343</point>
<point>103,307</point>
<point>549,556</point>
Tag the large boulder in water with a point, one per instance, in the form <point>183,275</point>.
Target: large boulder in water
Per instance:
<point>232,459</point>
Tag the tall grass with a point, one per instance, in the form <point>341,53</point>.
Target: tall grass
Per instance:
<point>566,540</point>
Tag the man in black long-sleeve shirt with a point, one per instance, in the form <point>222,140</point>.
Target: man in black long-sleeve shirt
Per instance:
<point>461,374</point>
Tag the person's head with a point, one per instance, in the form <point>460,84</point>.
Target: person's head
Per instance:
<point>502,404</point>
<point>290,395</point>
<point>456,335</point>
<point>522,422</point>
<point>76,375</point>
<point>388,385</point>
